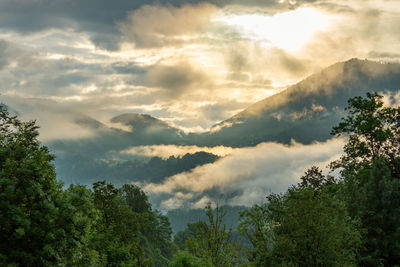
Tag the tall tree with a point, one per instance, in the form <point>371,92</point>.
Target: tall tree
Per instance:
<point>155,233</point>
<point>373,131</point>
<point>39,223</point>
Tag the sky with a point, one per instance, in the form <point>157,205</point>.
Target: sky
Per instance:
<point>190,63</point>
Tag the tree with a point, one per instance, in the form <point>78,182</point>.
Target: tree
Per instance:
<point>39,225</point>
<point>256,226</point>
<point>306,226</point>
<point>84,223</point>
<point>376,204</point>
<point>136,198</point>
<point>212,242</point>
<point>155,233</point>
<point>373,132</point>
<point>181,237</point>
<point>370,170</point>
<point>185,259</point>
<point>116,236</point>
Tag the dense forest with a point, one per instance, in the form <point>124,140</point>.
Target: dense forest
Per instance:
<point>351,218</point>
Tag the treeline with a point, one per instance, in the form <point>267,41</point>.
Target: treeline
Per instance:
<point>154,170</point>
<point>349,220</point>
<point>43,224</point>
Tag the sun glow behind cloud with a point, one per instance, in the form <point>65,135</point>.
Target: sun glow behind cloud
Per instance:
<point>192,65</point>
<point>288,30</point>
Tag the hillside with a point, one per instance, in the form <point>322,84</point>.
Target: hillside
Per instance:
<point>307,110</point>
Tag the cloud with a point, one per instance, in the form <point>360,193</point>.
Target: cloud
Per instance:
<point>56,121</point>
<point>357,31</point>
<point>178,78</point>
<point>224,124</point>
<point>258,66</point>
<point>191,70</point>
<point>391,99</point>
<point>248,174</point>
<point>160,26</point>
<point>289,62</point>
<point>28,16</point>
<point>166,151</point>
<point>3,54</point>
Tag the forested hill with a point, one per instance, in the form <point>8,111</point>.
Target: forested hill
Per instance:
<point>315,103</point>
<point>78,168</point>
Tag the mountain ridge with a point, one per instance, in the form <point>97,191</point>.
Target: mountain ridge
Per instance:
<point>321,98</point>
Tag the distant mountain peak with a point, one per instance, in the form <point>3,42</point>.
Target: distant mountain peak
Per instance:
<point>136,118</point>
<point>142,121</point>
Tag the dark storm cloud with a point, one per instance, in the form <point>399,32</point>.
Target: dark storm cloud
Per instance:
<point>97,17</point>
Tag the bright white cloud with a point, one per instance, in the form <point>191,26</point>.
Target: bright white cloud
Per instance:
<point>248,174</point>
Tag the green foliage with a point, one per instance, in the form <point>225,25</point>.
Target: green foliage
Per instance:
<point>371,174</point>
<point>376,204</point>
<point>185,259</point>
<point>306,226</point>
<point>155,231</point>
<point>373,132</point>
<point>116,236</point>
<point>212,242</point>
<point>181,237</point>
<point>136,198</point>
<point>85,220</point>
<point>43,224</point>
<point>256,226</point>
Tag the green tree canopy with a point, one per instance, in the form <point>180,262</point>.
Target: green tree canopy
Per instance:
<point>373,131</point>
<point>371,173</point>
<point>306,226</point>
<point>116,237</point>
<point>40,224</point>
